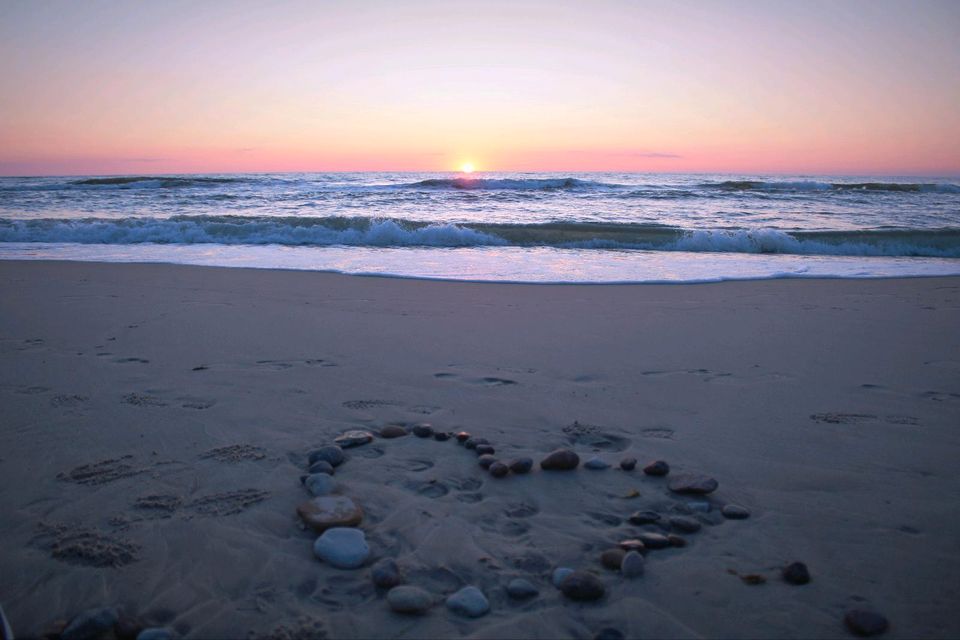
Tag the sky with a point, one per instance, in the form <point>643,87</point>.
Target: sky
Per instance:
<point>838,87</point>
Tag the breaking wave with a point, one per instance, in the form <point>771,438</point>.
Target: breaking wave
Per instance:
<point>812,185</point>
<point>518,184</point>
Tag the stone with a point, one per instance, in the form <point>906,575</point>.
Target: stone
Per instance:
<point>157,633</point>
<point>796,573</point>
<point>320,484</point>
<point>685,524</point>
<point>735,512</point>
<point>353,438</point>
<point>611,558</point>
<point>560,460</point>
<point>628,464</point>
<point>582,585</point>
<point>423,430</point>
<point>409,599</point>
<point>331,453</point>
<point>644,517</point>
<point>559,574</point>
<point>609,633</point>
<point>469,602</point>
<point>865,623</point>
<point>654,540</point>
<point>342,547</point>
<point>632,565</point>
<point>632,545</point>
<point>596,464</point>
<point>521,465</point>
<point>676,541</point>
<point>521,589</point>
<point>486,460</point>
<point>472,442</point>
<point>441,436</point>
<point>321,466</point>
<point>91,624</point>
<point>693,483</point>
<point>462,436</point>
<point>484,449</point>
<point>386,574</point>
<point>128,627</point>
<point>701,506</point>
<point>657,468</point>
<point>392,431</point>
<point>323,512</point>
<point>499,470</point>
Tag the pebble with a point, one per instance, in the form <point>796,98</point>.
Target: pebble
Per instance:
<point>472,442</point>
<point>657,468</point>
<point>654,540</point>
<point>423,430</point>
<point>462,436</point>
<point>409,599</point>
<point>597,464</point>
<point>628,464</point>
<point>560,460</point>
<point>321,466</point>
<point>685,524</point>
<point>609,633</point>
<point>486,460</point>
<point>320,484</point>
<point>559,574</point>
<point>484,449</point>
<point>796,573</point>
<point>342,547</point>
<point>521,465</point>
<point>611,558</point>
<point>582,585</point>
<point>469,602</point>
<point>331,453</point>
<point>499,470</point>
<point>632,565</point>
<point>392,431</point>
<point>865,623</point>
<point>644,517</point>
<point>385,573</point>
<point>676,541</point>
<point>441,436</point>
<point>90,624</point>
<point>694,483</point>
<point>632,545</point>
<point>157,633</point>
<point>521,589</point>
<point>353,439</point>
<point>735,512</point>
<point>323,512</point>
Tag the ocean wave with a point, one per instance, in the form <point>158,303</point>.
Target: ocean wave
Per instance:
<point>329,231</point>
<point>812,185</point>
<point>518,184</point>
<point>164,182</point>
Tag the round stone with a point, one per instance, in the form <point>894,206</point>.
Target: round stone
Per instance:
<point>320,484</point>
<point>632,565</point>
<point>331,453</point>
<point>611,558</point>
<point>632,545</point>
<point>321,466</point>
<point>342,547</point>
<point>484,449</point>
<point>735,512</point>
<point>693,483</point>
<point>423,430</point>
<point>609,633</point>
<point>676,541</point>
<point>499,470</point>
<point>521,589</point>
<point>654,540</point>
<point>865,623</point>
<point>685,524</point>
<point>582,585</point>
<point>91,623</point>
<point>353,438</point>
<point>392,431</point>
<point>157,633</point>
<point>486,460</point>
<point>472,442</point>
<point>462,436</point>
<point>469,602</point>
<point>385,573</point>
<point>521,465</point>
<point>559,574</point>
<point>644,517</point>
<point>657,468</point>
<point>597,464</point>
<point>409,599</point>
<point>560,460</point>
<point>323,512</point>
<point>441,436</point>
<point>628,464</point>
<point>796,573</point>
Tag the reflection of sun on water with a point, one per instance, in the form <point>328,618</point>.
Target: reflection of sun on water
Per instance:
<point>466,167</point>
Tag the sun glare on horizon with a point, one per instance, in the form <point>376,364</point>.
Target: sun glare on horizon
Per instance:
<point>467,167</point>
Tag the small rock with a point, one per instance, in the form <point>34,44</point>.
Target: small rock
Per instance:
<point>323,512</point>
<point>796,573</point>
<point>632,565</point>
<point>484,449</point>
<point>91,624</point>
<point>735,512</point>
<point>582,585</point>
<point>521,589</point>
<point>609,633</point>
<point>486,460</point>
<point>441,436</point>
<point>611,558</point>
<point>409,599</point>
<point>423,430</point>
<point>654,540</point>
<point>469,602</point>
<point>128,627</point>
<point>392,431</point>
<point>157,633</point>
<point>644,517</point>
<point>596,464</point>
<point>321,466</point>
<point>499,470</point>
<point>694,483</point>
<point>676,541</point>
<point>521,465</point>
<point>331,453</point>
<point>385,574</point>
<point>657,468</point>
<point>353,438</point>
<point>753,579</point>
<point>342,547</point>
<point>472,442</point>
<point>320,484</point>
<point>632,545</point>
<point>865,623</point>
<point>560,460</point>
<point>628,464</point>
<point>559,574</point>
<point>462,436</point>
<point>685,524</point>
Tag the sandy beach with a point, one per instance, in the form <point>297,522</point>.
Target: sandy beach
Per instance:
<point>155,421</point>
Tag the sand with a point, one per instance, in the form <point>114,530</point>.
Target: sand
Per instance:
<point>155,419</point>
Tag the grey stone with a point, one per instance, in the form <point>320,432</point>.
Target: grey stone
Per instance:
<point>484,449</point>
<point>323,512</point>
<point>559,574</point>
<point>331,453</point>
<point>796,573</point>
<point>644,517</point>
<point>676,541</point>
<point>699,505</point>
<point>685,524</point>
<point>521,465</point>
<point>582,585</point>
<point>611,558</point>
<point>422,430</point>
<point>321,466</point>
<point>521,589</point>
<point>91,624</point>
<point>632,565</point>
<point>441,436</point>
<point>462,436</point>
<point>472,442</point>
<point>486,460</point>
<point>342,547</point>
<point>654,540</point>
<point>628,464</point>
<point>693,483</point>
<point>499,470</point>
<point>392,431</point>
<point>657,468</point>
<point>597,464</point>
<point>353,438</point>
<point>320,484</point>
<point>409,599</point>
<point>560,460</point>
<point>157,633</point>
<point>865,623</point>
<point>469,602</point>
<point>735,512</point>
<point>385,573</point>
<point>632,545</point>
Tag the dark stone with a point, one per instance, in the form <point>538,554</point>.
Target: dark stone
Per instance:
<point>644,517</point>
<point>385,574</point>
<point>865,623</point>
<point>157,633</point>
<point>423,430</point>
<point>472,442</point>
<point>521,589</point>
<point>128,627</point>
<point>560,460</point>
<point>326,512</point>
<point>609,633</point>
<point>409,599</point>
<point>484,449</point>
<point>654,540</point>
<point>685,524</point>
<point>612,558</point>
<point>735,512</point>
<point>796,573</point>
<point>321,466</point>
<point>486,460</point>
<point>331,453</point>
<point>693,483</point>
<point>676,541</point>
<point>657,468</point>
<point>91,624</point>
<point>499,470</point>
<point>392,431</point>
<point>582,585</point>
<point>521,465</point>
<point>441,436</point>
<point>632,545</point>
<point>628,464</point>
<point>462,436</point>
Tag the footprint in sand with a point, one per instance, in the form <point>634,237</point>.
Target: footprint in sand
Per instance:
<point>418,464</point>
<point>234,453</point>
<point>429,489</point>
<point>595,437</point>
<point>370,404</point>
<point>102,472</point>
<point>143,400</point>
<point>132,360</point>
<point>68,401</point>
<point>84,546</point>
<point>228,502</point>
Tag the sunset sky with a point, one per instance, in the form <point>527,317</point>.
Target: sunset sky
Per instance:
<point>760,87</point>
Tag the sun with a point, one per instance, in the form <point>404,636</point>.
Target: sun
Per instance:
<point>466,167</point>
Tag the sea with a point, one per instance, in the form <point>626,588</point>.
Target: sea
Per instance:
<point>502,227</point>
